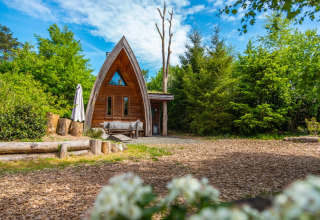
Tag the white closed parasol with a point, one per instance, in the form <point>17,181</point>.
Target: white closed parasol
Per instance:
<point>78,107</point>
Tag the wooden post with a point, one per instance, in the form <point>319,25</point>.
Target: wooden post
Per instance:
<point>63,151</point>
<point>106,147</point>
<point>114,148</point>
<point>63,126</point>
<point>52,123</point>
<point>95,146</point>
<point>165,119</point>
<point>76,129</point>
<point>137,130</point>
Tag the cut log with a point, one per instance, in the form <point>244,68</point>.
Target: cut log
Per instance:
<point>106,147</point>
<point>52,123</point>
<point>114,147</point>
<point>63,151</point>
<point>95,146</point>
<point>302,139</point>
<point>63,126</point>
<point>40,147</point>
<point>78,153</point>
<point>76,129</point>
<point>14,157</point>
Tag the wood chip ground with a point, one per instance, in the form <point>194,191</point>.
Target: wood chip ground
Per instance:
<point>238,168</point>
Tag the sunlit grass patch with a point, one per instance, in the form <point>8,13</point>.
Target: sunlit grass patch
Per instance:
<point>133,153</point>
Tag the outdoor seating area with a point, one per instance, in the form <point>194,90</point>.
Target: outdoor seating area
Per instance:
<point>133,129</point>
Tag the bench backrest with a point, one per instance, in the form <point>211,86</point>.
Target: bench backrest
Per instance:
<point>123,125</point>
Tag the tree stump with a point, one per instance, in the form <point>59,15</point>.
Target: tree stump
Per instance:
<point>114,148</point>
<point>63,126</point>
<point>63,151</point>
<point>76,129</point>
<point>52,123</point>
<point>95,146</point>
<point>106,147</point>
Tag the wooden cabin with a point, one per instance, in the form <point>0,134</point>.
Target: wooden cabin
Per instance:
<point>120,94</point>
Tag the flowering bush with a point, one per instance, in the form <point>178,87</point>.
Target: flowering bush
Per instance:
<point>126,197</point>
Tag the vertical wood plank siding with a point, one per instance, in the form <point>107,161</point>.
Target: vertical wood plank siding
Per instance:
<point>121,58</point>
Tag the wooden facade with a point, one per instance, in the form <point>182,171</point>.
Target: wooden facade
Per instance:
<point>126,102</point>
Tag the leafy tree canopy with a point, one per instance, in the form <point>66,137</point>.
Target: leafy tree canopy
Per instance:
<point>7,42</point>
<point>58,65</point>
<point>296,10</point>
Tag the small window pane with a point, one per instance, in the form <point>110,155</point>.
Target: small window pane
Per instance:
<point>109,111</point>
<point>117,79</point>
<point>126,106</point>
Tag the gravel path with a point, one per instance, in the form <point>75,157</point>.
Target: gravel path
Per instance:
<point>159,139</point>
<point>238,168</point>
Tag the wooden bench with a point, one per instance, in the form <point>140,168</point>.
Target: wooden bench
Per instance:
<point>119,127</point>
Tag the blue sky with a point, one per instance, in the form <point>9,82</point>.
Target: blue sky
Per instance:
<point>100,24</point>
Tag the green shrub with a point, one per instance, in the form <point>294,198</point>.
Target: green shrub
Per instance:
<point>94,133</point>
<point>260,119</point>
<point>23,122</point>
<point>313,126</point>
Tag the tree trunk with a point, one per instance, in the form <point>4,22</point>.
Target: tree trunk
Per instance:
<point>76,129</point>
<point>63,151</point>
<point>14,157</point>
<point>95,146</point>
<point>52,123</point>
<point>165,119</point>
<point>63,126</point>
<point>106,147</point>
<point>40,147</point>
<point>78,153</point>
<point>114,147</point>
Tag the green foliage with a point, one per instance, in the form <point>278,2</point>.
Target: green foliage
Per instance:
<point>145,74</point>
<point>64,65</point>
<point>23,122</point>
<point>17,89</point>
<point>7,43</point>
<point>94,133</point>
<point>296,10</point>
<point>313,126</point>
<point>260,119</point>
<point>58,64</point>
<point>202,87</point>
<point>272,87</point>
<point>156,82</point>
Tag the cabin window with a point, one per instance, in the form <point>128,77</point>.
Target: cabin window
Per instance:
<point>109,106</point>
<point>125,106</point>
<point>117,79</point>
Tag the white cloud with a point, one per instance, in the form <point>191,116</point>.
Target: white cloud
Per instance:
<point>34,8</point>
<point>112,19</point>
<point>136,20</point>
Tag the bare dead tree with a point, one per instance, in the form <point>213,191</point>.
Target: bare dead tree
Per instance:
<point>165,65</point>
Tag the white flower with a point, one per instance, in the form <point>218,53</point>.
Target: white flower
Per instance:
<point>121,198</point>
<point>190,188</point>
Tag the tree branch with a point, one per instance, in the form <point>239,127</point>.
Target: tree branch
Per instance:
<point>159,31</point>
<point>160,13</point>
<point>170,37</point>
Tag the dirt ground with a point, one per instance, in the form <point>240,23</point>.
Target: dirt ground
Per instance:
<point>238,168</point>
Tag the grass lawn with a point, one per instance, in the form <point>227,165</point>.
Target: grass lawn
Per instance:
<point>134,153</point>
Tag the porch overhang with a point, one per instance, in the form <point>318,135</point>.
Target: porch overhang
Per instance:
<point>161,97</point>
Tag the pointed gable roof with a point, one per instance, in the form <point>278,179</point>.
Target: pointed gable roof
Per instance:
<point>121,45</point>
